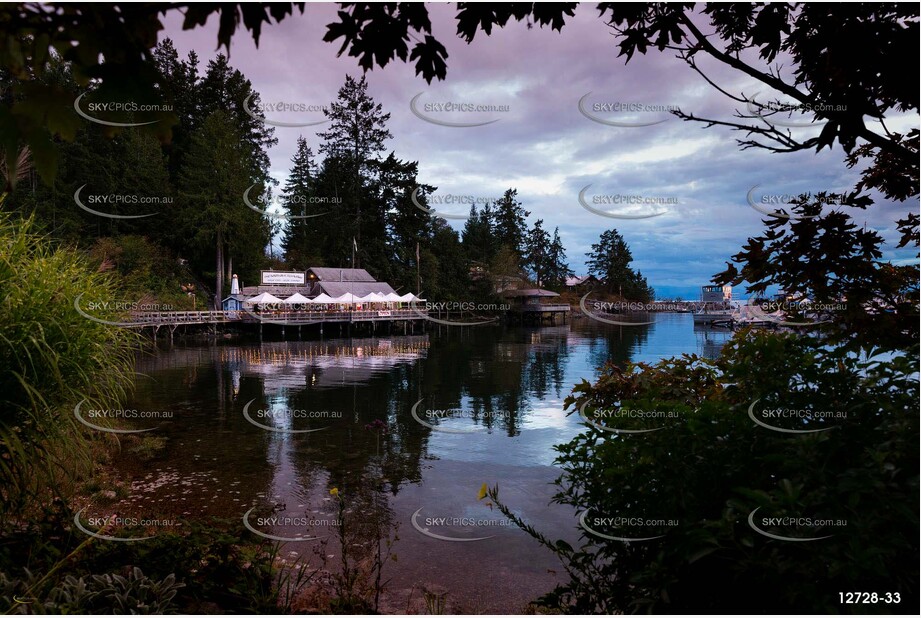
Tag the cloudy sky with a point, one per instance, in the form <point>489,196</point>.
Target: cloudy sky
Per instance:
<point>545,147</point>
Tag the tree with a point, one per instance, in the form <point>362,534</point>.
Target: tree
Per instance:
<point>406,224</point>
<point>215,175</point>
<point>358,129</point>
<point>301,244</point>
<point>537,252</point>
<point>477,237</point>
<point>557,268</point>
<point>508,224</point>
<point>609,260</point>
<point>179,86</point>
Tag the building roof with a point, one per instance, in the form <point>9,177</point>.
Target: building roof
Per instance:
<point>340,274</point>
<point>283,291</point>
<point>358,288</point>
<point>573,281</point>
<point>530,293</point>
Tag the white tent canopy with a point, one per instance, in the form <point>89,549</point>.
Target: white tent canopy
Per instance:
<point>347,298</point>
<point>297,299</point>
<point>263,299</point>
<point>391,298</point>
<point>373,297</point>
<point>409,297</point>
<point>323,299</point>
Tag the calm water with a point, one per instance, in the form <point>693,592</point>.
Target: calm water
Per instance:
<point>488,405</point>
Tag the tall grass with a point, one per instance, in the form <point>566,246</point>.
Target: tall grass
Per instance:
<point>51,358</point>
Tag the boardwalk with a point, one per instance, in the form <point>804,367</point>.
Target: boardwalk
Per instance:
<point>288,318</point>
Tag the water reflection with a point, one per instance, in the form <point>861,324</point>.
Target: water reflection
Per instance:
<point>503,387</point>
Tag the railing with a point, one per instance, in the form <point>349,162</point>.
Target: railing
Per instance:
<point>180,317</point>
<point>169,318</point>
<point>545,308</point>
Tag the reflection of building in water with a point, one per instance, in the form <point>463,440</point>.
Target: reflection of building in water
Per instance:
<point>283,367</point>
<point>710,340</point>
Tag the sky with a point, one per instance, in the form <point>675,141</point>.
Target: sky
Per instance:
<point>542,144</point>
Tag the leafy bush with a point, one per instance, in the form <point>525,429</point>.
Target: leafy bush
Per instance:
<point>699,477</point>
<point>51,358</point>
<point>96,594</point>
<point>220,567</point>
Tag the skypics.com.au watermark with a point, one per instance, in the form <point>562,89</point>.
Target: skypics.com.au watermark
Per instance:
<point>293,529</point>
<point>270,113</point>
<point>86,415</point>
<point>434,417</point>
<point>792,312</point>
<point>781,113</point>
<point>597,310</point>
<point>625,529</point>
<point>283,419</point>
<point>625,206</point>
<point>92,110</point>
<point>794,529</point>
<point>458,529</point>
<point>284,204</point>
<point>456,205</point>
<point>116,200</point>
<point>785,419</point>
<point>772,204</point>
<point>117,307</point>
<point>421,309</point>
<point>465,306</point>
<point>625,114</point>
<point>616,419</point>
<point>119,528</point>
<point>625,306</point>
<point>442,112</point>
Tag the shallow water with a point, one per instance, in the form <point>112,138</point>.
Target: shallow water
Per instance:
<point>406,428</point>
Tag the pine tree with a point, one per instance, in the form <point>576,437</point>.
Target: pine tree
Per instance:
<point>356,138</point>
<point>537,253</point>
<point>509,225</point>
<point>211,213</point>
<point>609,260</point>
<point>300,244</point>
<point>557,267</point>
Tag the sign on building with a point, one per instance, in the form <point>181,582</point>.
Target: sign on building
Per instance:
<point>280,277</point>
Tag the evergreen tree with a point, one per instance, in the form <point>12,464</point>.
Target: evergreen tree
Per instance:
<point>301,244</point>
<point>557,267</point>
<point>407,225</point>
<point>179,87</point>
<point>477,237</point>
<point>212,216</point>
<point>358,129</point>
<point>509,227</point>
<point>609,260</point>
<point>537,253</point>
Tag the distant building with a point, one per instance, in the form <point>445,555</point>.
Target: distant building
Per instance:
<point>338,281</point>
<point>502,283</point>
<point>234,302</point>
<point>716,293</point>
<point>320,279</point>
<point>582,283</point>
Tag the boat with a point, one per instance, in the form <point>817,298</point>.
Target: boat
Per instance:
<point>715,306</point>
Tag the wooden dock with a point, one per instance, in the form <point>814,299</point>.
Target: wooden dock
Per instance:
<point>171,320</point>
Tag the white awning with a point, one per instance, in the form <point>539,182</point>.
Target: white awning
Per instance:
<point>323,299</point>
<point>391,298</point>
<point>409,297</point>
<point>373,297</point>
<point>347,298</point>
<point>263,299</point>
<point>297,299</point>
